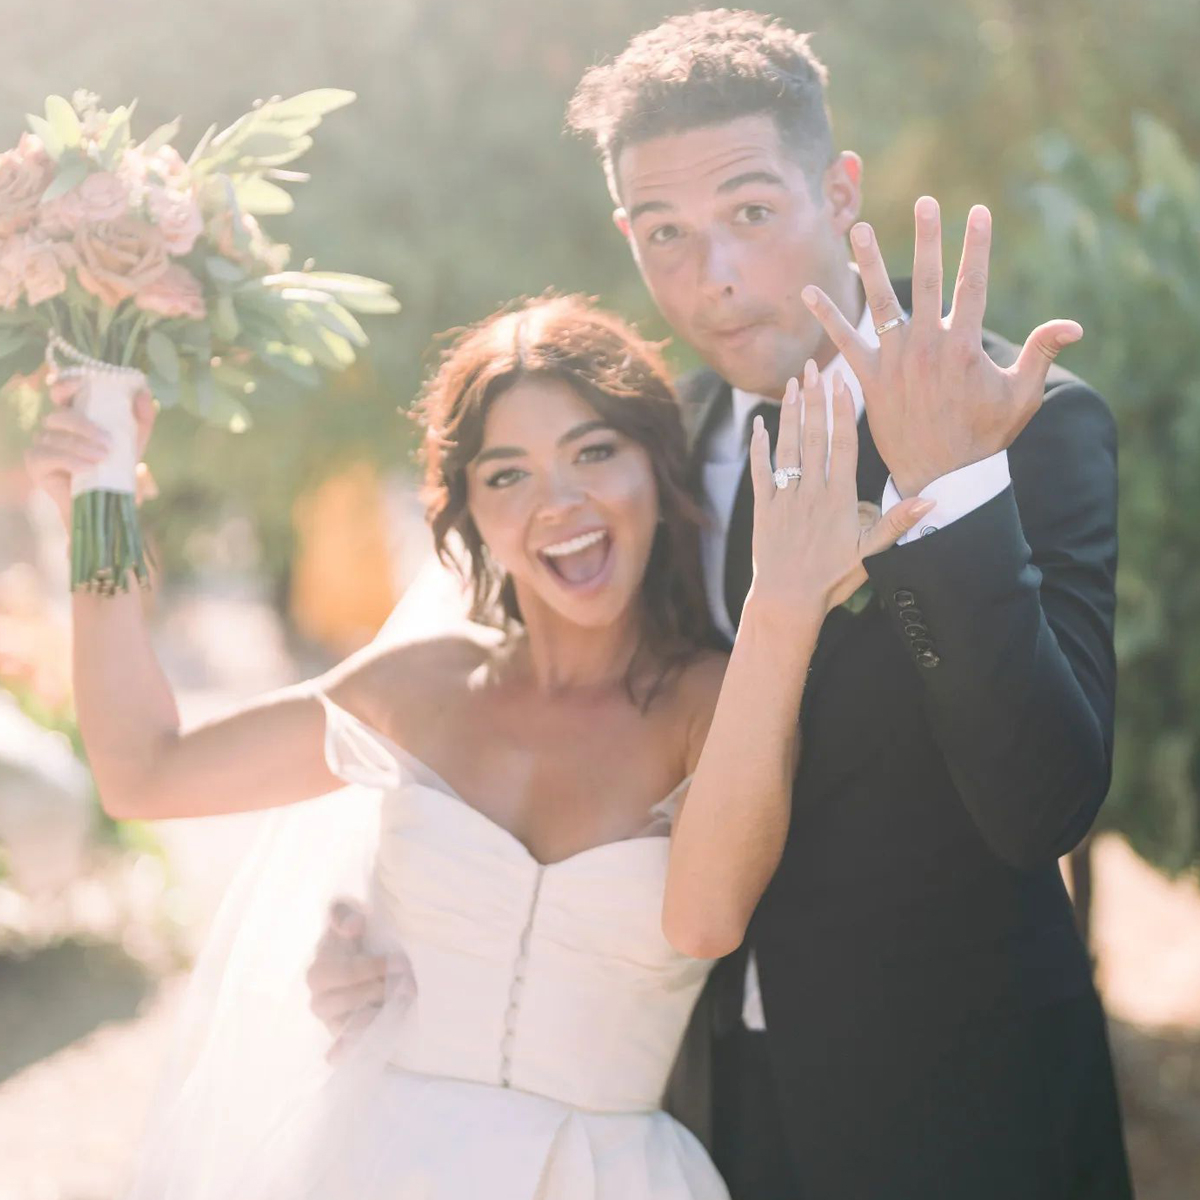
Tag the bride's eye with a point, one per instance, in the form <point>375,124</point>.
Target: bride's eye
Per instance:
<point>597,452</point>
<point>505,477</point>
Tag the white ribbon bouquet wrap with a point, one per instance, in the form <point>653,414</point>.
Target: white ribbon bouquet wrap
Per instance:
<point>127,267</point>
<point>106,540</point>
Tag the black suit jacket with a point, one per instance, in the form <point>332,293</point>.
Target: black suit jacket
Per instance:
<point>957,739</point>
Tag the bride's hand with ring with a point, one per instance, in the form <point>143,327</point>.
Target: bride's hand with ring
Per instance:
<point>809,542</point>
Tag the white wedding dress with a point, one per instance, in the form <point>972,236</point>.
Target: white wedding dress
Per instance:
<point>529,1065</point>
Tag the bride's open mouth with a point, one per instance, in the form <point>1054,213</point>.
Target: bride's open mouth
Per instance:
<point>580,560</point>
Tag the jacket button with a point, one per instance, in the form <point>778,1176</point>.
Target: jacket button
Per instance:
<point>916,631</point>
<point>928,659</point>
<point>904,598</point>
<point>911,616</point>
<point>922,645</point>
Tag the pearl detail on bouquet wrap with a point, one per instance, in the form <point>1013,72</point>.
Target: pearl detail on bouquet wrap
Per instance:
<point>106,398</point>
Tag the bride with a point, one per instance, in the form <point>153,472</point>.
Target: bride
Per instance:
<point>576,804</point>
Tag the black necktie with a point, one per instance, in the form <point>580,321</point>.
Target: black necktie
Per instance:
<point>739,563</point>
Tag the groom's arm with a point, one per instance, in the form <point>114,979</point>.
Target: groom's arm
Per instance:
<point>1007,614</point>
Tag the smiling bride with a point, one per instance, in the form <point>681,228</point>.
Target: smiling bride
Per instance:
<point>579,803</point>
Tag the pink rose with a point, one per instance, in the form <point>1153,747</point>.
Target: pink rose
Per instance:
<point>103,197</point>
<point>175,293</point>
<point>12,270</point>
<point>45,268</point>
<point>119,258</point>
<point>25,173</point>
<point>178,216</point>
<point>63,215</point>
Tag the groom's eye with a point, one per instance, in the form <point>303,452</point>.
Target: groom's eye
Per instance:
<point>753,214</point>
<point>663,234</point>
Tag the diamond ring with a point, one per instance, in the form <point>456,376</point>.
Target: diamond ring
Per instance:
<point>783,474</point>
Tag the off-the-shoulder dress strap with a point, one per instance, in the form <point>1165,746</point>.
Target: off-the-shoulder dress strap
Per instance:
<point>354,751</point>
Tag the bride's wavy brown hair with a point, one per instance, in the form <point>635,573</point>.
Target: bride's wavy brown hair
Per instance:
<point>624,378</point>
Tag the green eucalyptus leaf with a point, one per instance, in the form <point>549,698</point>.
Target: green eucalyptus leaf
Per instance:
<point>371,304</point>
<point>262,198</point>
<point>294,362</point>
<point>162,136</point>
<point>225,410</point>
<point>224,320</point>
<point>165,391</point>
<point>12,340</point>
<point>65,123</point>
<point>72,171</point>
<point>47,133</point>
<point>163,356</point>
<point>201,148</point>
<point>223,271</point>
<point>316,103</point>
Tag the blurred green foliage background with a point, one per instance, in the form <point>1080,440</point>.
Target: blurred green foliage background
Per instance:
<point>1077,122</point>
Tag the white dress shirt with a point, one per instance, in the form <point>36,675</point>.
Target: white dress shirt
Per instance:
<point>957,494</point>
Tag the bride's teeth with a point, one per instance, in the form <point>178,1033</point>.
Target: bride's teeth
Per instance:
<point>582,542</point>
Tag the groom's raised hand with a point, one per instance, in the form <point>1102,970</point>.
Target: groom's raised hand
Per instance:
<point>935,400</point>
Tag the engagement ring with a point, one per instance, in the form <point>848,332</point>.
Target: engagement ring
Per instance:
<point>783,474</point>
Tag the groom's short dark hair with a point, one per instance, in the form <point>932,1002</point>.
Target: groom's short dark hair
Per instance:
<point>706,68</point>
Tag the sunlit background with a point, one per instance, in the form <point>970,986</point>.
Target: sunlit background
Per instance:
<point>1077,122</point>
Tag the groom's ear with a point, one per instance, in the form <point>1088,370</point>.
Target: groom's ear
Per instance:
<point>841,188</point>
<point>621,220</point>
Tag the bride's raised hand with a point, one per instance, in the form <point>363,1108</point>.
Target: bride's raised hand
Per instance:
<point>809,543</point>
<point>66,442</point>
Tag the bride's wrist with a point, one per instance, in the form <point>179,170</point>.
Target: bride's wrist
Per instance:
<point>793,620</point>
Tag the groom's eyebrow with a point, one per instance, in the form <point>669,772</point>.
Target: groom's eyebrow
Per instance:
<point>572,434</point>
<point>724,188</point>
<point>767,177</point>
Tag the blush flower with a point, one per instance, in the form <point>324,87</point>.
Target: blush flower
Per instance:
<point>175,293</point>
<point>45,268</point>
<point>177,216</point>
<point>25,173</point>
<point>119,258</point>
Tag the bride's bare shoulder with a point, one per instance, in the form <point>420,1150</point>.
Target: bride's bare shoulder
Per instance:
<point>378,677</point>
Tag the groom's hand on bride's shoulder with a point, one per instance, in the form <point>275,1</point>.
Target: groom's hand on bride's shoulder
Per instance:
<point>347,984</point>
<point>935,400</point>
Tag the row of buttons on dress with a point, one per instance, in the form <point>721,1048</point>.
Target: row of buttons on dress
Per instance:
<point>913,621</point>
<point>517,986</point>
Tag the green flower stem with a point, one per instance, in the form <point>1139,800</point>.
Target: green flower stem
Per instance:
<point>106,543</point>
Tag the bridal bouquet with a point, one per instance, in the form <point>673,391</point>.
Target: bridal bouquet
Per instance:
<point>125,266</point>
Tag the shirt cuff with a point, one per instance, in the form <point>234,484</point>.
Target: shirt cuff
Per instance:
<point>956,494</point>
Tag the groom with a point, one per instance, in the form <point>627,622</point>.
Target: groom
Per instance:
<point>912,1015</point>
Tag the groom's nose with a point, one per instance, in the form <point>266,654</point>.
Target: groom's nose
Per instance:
<point>718,265</point>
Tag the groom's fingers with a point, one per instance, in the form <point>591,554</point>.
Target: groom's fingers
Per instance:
<point>1042,347</point>
<point>970,290</point>
<point>927,263</point>
<point>841,333</point>
<point>881,297</point>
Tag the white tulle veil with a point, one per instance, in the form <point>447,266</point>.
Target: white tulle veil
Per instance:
<point>247,1067</point>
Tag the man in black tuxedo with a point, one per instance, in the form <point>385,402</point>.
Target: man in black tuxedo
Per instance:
<point>912,1015</point>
